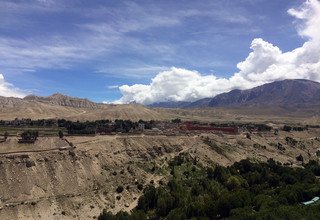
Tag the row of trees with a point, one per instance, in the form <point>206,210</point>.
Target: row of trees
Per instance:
<point>88,127</point>
<point>245,190</point>
<point>78,127</point>
<point>289,128</point>
<point>106,126</point>
<point>29,122</point>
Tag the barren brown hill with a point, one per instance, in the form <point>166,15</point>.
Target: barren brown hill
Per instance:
<point>245,114</point>
<point>60,106</point>
<point>63,100</point>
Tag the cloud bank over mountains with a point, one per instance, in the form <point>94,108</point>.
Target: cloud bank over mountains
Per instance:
<point>266,63</point>
<point>94,39</point>
<point>7,89</point>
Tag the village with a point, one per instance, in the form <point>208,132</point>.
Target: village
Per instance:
<point>29,129</point>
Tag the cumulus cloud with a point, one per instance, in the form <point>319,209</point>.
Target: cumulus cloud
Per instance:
<point>266,63</point>
<point>174,84</point>
<point>8,90</point>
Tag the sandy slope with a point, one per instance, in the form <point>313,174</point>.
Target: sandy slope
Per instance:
<point>79,184</point>
<point>38,110</point>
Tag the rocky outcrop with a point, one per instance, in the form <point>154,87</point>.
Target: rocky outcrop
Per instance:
<point>10,101</point>
<point>63,100</point>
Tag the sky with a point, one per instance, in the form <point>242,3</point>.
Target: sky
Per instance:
<point>148,51</point>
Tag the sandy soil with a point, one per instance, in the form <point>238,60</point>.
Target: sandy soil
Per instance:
<point>43,143</point>
<point>38,110</point>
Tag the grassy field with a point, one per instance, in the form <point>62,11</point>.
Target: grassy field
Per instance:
<point>43,131</point>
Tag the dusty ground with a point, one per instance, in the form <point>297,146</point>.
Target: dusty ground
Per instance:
<point>245,114</point>
<point>38,110</point>
<point>43,143</point>
<point>79,183</point>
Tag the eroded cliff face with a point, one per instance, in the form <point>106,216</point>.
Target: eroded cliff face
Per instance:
<point>78,183</point>
<point>35,184</point>
<point>61,106</point>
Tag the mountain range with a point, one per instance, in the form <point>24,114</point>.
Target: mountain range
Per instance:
<point>296,93</point>
<point>63,100</point>
<point>62,106</point>
<point>286,95</point>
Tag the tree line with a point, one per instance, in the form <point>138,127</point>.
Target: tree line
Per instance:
<point>81,127</point>
<point>245,190</point>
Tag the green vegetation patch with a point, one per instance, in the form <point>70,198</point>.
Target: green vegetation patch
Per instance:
<point>245,190</point>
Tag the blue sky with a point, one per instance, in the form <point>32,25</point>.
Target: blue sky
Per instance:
<point>90,48</point>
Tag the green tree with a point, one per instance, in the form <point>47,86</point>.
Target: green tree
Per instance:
<point>5,135</point>
<point>60,133</point>
<point>287,128</point>
<point>236,182</point>
<point>149,199</point>
<point>176,120</point>
<point>275,192</point>
<point>29,135</point>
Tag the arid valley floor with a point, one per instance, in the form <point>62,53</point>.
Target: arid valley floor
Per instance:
<point>52,180</point>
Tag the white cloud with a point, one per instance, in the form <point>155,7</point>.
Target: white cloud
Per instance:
<point>135,70</point>
<point>174,84</point>
<point>8,90</point>
<point>96,32</point>
<point>95,40</point>
<point>113,87</point>
<point>310,14</point>
<point>266,63</point>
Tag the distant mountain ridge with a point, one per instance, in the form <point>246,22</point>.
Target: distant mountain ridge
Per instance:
<point>281,96</point>
<point>286,93</point>
<point>170,104</point>
<point>62,106</point>
<point>63,100</point>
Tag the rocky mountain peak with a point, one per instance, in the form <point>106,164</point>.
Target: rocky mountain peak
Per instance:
<point>63,100</point>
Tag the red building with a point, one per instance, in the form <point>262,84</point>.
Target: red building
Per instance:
<point>190,126</point>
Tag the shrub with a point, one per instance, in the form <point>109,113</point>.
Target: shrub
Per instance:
<point>291,141</point>
<point>29,135</point>
<point>5,135</point>
<point>140,186</point>
<point>176,120</point>
<point>30,163</point>
<point>119,189</point>
<point>287,128</point>
<point>60,133</point>
<point>299,158</point>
